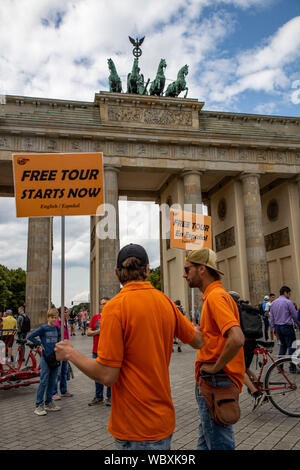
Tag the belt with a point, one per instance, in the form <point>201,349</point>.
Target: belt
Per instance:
<point>213,379</point>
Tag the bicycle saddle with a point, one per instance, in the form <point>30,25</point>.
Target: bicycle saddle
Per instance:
<point>266,344</point>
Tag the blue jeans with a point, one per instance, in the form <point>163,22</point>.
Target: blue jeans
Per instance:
<point>163,444</point>
<point>47,383</point>
<point>62,378</point>
<point>100,387</point>
<point>287,336</point>
<point>213,436</point>
<point>267,325</point>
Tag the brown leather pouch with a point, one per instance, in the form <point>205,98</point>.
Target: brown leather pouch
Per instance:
<point>222,402</point>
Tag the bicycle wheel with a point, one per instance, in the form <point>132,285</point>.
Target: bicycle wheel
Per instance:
<point>284,390</point>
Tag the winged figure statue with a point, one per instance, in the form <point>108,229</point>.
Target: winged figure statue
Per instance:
<point>136,42</point>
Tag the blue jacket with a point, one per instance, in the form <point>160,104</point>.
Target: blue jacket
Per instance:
<point>49,336</point>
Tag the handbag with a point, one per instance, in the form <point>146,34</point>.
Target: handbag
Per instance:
<point>51,360</point>
<point>222,402</point>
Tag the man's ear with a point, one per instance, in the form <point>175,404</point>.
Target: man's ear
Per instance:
<point>147,269</point>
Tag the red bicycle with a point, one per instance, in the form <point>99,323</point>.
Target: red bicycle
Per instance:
<point>14,374</point>
<point>282,380</point>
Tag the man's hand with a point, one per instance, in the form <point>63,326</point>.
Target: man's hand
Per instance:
<point>63,350</point>
<point>102,374</point>
<point>198,341</point>
<point>208,368</point>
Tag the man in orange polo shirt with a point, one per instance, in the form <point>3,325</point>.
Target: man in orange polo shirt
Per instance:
<point>135,346</point>
<point>221,360</point>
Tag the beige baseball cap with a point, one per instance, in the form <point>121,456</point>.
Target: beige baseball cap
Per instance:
<point>204,256</point>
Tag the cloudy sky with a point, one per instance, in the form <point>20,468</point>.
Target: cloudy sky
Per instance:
<point>243,56</point>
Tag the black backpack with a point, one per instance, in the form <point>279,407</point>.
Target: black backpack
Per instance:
<point>251,323</point>
<point>25,327</point>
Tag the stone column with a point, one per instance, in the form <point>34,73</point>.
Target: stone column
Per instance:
<point>39,269</point>
<point>192,190</point>
<point>161,251</point>
<point>298,181</point>
<point>255,243</point>
<point>193,197</point>
<point>109,285</point>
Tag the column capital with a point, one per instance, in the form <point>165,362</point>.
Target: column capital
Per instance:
<point>115,168</point>
<point>245,175</point>
<point>191,171</point>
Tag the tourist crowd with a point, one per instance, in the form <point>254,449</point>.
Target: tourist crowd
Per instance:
<point>133,338</point>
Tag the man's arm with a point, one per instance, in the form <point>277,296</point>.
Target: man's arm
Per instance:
<point>293,313</point>
<point>235,340</point>
<point>99,373</point>
<point>271,317</point>
<point>91,332</point>
<point>198,341</point>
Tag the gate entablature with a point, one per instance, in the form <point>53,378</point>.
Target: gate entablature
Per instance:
<point>148,111</point>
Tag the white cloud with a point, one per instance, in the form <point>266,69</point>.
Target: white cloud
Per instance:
<point>281,49</point>
<point>39,59</point>
<point>266,108</point>
<point>59,49</point>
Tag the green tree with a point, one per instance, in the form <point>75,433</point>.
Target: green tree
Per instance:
<point>18,288</point>
<point>5,292</point>
<point>154,277</point>
<point>12,288</point>
<point>78,307</point>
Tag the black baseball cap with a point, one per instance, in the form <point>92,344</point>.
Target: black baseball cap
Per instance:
<point>132,250</point>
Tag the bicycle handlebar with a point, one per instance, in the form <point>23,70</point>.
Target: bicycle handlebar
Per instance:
<point>27,343</point>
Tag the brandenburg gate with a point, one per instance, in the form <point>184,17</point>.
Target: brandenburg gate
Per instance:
<point>244,167</point>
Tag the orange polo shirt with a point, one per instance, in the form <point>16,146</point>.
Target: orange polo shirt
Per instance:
<point>219,314</point>
<point>137,330</point>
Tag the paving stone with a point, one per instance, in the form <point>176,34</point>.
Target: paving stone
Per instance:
<point>78,426</point>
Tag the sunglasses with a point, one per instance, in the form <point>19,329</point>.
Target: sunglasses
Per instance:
<point>187,268</point>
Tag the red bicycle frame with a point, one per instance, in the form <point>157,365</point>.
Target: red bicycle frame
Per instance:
<point>13,376</point>
<point>265,355</point>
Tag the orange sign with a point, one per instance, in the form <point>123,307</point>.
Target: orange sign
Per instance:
<point>190,231</point>
<point>49,184</point>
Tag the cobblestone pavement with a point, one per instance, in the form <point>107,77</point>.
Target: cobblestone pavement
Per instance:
<point>78,426</point>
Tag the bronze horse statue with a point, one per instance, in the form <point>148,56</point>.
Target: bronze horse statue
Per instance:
<point>115,83</point>
<point>158,84</point>
<point>135,80</point>
<point>175,88</point>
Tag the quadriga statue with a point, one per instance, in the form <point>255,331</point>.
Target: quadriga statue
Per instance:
<point>115,83</point>
<point>175,88</point>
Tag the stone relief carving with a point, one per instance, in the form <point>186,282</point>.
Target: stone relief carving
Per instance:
<point>277,239</point>
<point>261,156</point>
<point>280,157</point>
<point>52,145</point>
<point>222,154</point>
<point>141,150</point>
<point>183,151</point>
<point>244,155</point>
<point>121,148</point>
<point>225,239</point>
<point>28,143</point>
<point>4,142</point>
<point>76,145</point>
<point>163,150</point>
<point>98,146</point>
<point>150,116</point>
